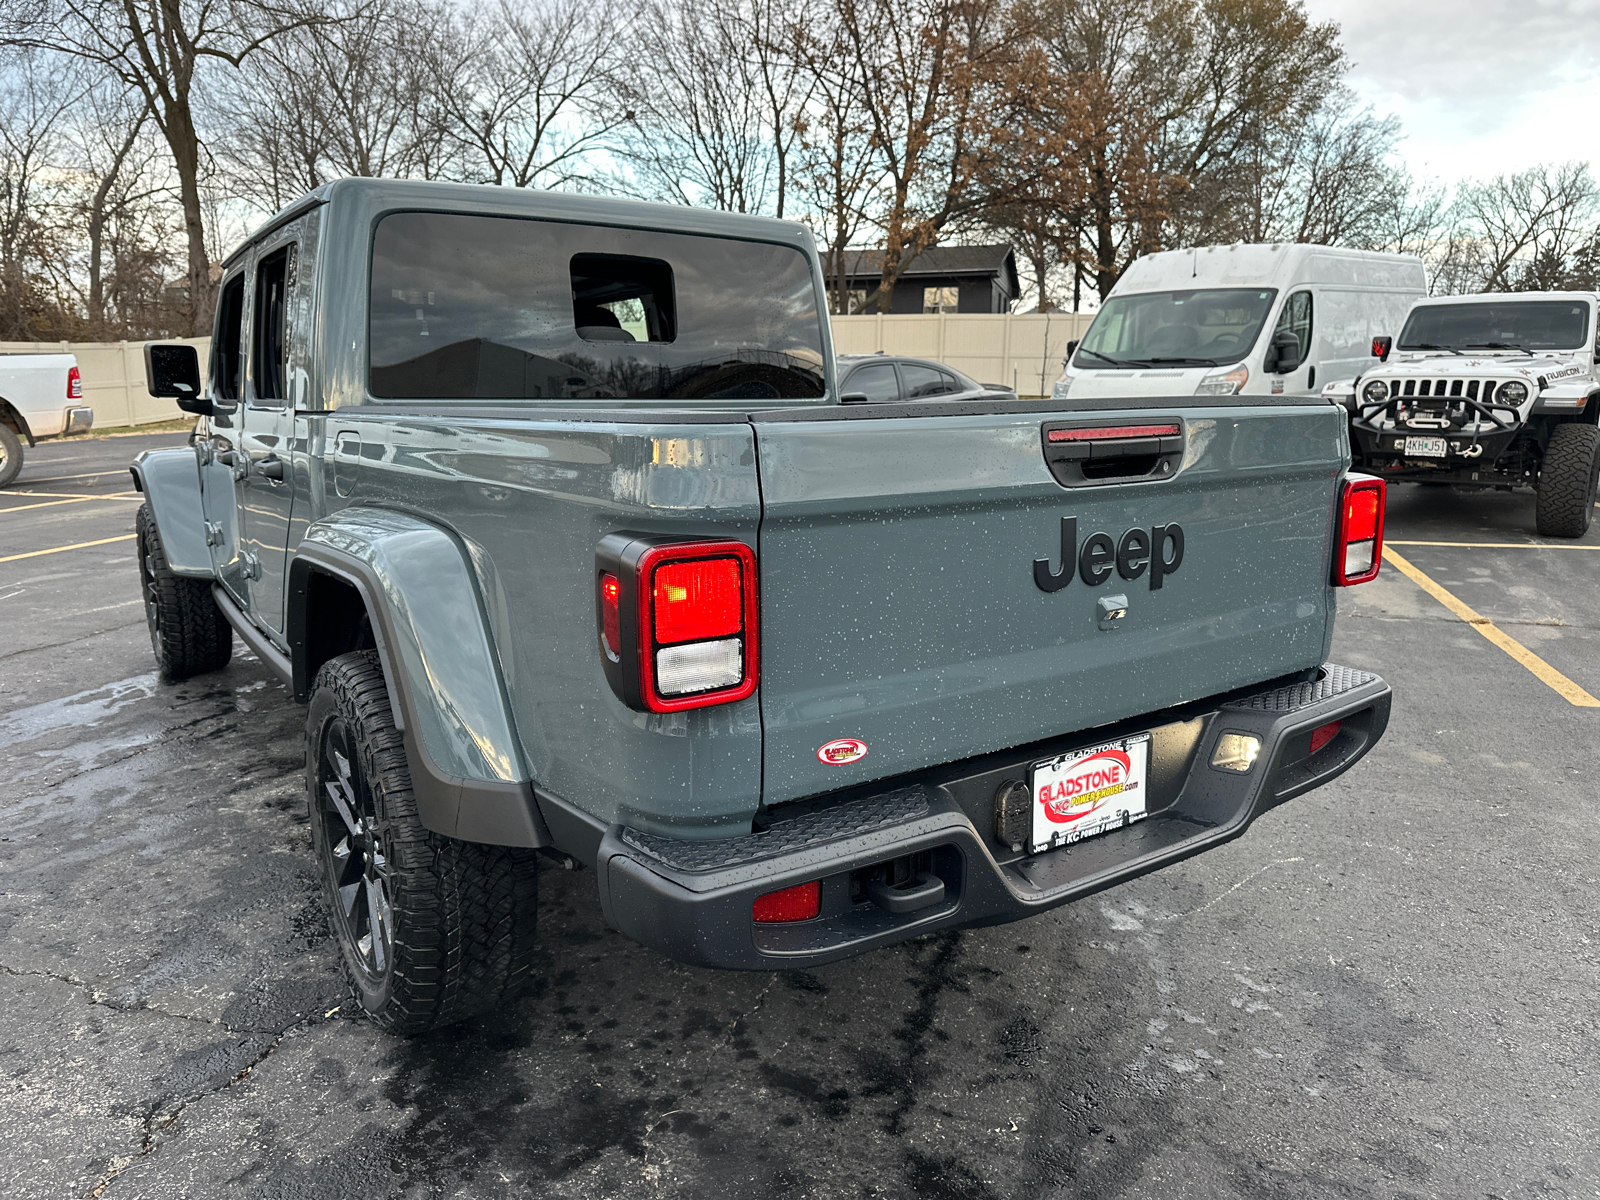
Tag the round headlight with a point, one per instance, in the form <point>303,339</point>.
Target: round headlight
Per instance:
<point>1376,390</point>
<point>1512,392</point>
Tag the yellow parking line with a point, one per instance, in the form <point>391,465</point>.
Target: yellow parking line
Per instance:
<point>127,537</point>
<point>1497,545</point>
<point>52,503</point>
<point>1541,670</point>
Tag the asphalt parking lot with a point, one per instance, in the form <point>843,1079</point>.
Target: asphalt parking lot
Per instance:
<point>1388,988</point>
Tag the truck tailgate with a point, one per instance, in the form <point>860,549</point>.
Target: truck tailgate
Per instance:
<point>899,605</point>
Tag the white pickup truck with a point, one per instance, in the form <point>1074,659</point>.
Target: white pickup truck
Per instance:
<point>41,396</point>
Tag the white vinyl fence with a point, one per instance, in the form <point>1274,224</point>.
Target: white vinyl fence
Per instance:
<point>1023,350</point>
<point>113,379</point>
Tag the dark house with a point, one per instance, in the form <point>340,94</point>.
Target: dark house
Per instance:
<point>953,279</point>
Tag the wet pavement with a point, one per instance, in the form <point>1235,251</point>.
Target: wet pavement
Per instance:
<point>1387,988</point>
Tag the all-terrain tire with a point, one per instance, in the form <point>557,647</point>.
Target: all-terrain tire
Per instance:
<point>10,455</point>
<point>1567,481</point>
<point>188,632</point>
<point>431,930</point>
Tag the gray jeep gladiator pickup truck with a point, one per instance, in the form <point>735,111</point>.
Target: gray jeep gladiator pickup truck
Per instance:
<point>547,508</point>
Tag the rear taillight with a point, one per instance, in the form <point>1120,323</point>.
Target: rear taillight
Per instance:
<point>74,384</point>
<point>677,621</point>
<point>1358,544</point>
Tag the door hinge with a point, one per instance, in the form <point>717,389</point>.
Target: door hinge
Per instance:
<point>252,565</point>
<point>213,534</point>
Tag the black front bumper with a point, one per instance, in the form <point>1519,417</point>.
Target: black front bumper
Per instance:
<point>692,900</point>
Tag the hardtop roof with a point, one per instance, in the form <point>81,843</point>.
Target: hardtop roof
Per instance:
<point>490,199</point>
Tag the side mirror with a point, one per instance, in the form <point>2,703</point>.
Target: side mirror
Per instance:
<point>1381,347</point>
<point>855,398</point>
<point>173,371</point>
<point>1283,353</point>
<point>1072,348</point>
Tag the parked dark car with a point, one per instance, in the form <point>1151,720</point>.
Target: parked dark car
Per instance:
<point>884,378</point>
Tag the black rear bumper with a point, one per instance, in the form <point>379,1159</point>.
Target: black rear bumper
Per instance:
<point>692,900</point>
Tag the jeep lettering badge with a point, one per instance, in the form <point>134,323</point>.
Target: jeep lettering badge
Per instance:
<point>1160,549</point>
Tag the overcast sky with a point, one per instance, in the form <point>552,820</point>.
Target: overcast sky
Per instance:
<point>1480,86</point>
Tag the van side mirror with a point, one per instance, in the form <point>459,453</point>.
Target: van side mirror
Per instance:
<point>1381,347</point>
<point>173,371</point>
<point>1283,353</point>
<point>1072,348</point>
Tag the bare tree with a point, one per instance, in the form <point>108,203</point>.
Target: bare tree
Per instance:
<point>39,92</point>
<point>157,49</point>
<point>714,95</point>
<point>1511,219</point>
<point>349,96</point>
<point>525,91</point>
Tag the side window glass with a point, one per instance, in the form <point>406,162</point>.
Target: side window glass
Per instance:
<point>922,382</point>
<point>951,385</point>
<point>1296,318</point>
<point>227,357</point>
<point>270,351</point>
<point>876,382</point>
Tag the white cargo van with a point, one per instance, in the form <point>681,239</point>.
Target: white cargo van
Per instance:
<point>1240,320</point>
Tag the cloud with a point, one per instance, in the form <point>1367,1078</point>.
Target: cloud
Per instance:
<point>1480,86</point>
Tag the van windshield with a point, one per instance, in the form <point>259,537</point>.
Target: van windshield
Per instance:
<point>1520,325</point>
<point>1200,327</point>
<point>501,308</point>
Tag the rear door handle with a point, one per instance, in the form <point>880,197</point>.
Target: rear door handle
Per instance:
<point>225,457</point>
<point>271,468</point>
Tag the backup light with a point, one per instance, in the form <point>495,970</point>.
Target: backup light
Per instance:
<point>1236,752</point>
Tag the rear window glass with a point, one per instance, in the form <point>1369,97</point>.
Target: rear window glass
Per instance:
<point>503,308</point>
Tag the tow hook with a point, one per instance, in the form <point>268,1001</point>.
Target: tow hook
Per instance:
<point>1472,451</point>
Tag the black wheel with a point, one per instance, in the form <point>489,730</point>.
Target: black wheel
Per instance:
<point>188,632</point>
<point>10,455</point>
<point>431,930</point>
<point>1567,479</point>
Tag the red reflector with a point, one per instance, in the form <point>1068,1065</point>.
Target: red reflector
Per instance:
<point>74,384</point>
<point>1322,735</point>
<point>698,599</point>
<point>1111,431</point>
<point>798,903</point>
<point>610,622</point>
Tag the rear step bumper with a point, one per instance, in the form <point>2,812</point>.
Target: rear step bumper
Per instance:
<point>692,900</point>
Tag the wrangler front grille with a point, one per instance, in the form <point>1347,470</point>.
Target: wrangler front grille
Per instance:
<point>1472,389</point>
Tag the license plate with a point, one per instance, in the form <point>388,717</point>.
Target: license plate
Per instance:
<point>1088,791</point>
<point>1427,447</point>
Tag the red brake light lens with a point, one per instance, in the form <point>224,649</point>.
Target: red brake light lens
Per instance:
<point>1361,515</point>
<point>798,903</point>
<point>697,600</point>
<point>610,618</point>
<point>1358,549</point>
<point>74,384</point>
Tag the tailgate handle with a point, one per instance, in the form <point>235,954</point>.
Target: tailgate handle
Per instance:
<point>1080,456</point>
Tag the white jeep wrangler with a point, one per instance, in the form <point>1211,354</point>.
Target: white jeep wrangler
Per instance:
<point>1498,390</point>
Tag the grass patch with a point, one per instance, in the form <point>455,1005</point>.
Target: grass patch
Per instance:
<point>181,425</point>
